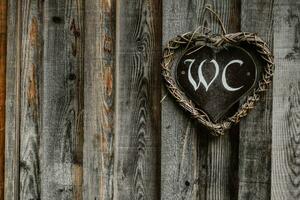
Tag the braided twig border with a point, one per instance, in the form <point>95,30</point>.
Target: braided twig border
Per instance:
<point>188,40</point>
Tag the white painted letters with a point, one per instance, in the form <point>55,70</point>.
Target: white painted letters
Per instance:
<point>224,80</point>
<point>191,79</point>
<point>217,70</point>
<point>200,74</point>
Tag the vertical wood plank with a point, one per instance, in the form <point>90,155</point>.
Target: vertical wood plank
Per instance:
<point>256,128</point>
<point>195,165</point>
<point>222,152</point>
<point>61,100</point>
<point>30,66</point>
<point>12,124</point>
<point>99,79</point>
<point>180,156</point>
<point>286,104</point>
<point>138,100</point>
<point>3,35</point>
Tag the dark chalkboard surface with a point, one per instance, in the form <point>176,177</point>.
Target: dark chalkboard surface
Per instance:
<point>216,78</point>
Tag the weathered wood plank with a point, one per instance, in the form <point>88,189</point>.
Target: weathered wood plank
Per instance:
<point>61,100</point>
<point>195,165</point>
<point>286,104</point>
<point>180,156</point>
<point>137,100</point>
<point>222,152</point>
<point>256,128</point>
<point>12,124</point>
<point>99,79</point>
<point>3,35</point>
<point>31,65</point>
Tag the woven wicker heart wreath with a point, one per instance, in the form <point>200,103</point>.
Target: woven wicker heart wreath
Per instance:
<point>192,39</point>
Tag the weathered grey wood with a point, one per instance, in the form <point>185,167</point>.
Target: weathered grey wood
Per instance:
<point>256,128</point>
<point>48,156</point>
<point>99,84</point>
<point>137,100</point>
<point>12,122</point>
<point>61,101</point>
<point>221,152</point>
<point>286,104</point>
<point>180,164</point>
<point>195,165</point>
<point>3,48</point>
<point>31,65</point>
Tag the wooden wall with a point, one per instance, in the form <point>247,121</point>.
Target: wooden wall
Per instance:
<point>87,115</point>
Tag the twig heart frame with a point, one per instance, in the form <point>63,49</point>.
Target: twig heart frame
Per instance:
<point>191,39</point>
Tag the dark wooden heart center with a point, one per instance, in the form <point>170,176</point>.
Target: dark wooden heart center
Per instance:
<point>216,78</point>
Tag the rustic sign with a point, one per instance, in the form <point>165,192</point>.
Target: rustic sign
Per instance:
<point>215,72</point>
<point>216,78</point>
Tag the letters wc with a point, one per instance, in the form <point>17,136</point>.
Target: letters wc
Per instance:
<point>216,78</point>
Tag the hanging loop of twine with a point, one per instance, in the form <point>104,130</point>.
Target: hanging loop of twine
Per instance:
<point>208,7</point>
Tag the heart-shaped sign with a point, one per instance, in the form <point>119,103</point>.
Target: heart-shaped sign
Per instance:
<point>207,74</point>
<point>216,78</point>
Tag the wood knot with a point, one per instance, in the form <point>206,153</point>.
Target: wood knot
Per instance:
<point>187,183</point>
<point>72,77</point>
<point>57,20</point>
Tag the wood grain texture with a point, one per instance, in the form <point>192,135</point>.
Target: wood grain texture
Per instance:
<point>31,65</point>
<point>3,35</point>
<point>12,121</point>
<point>61,100</point>
<point>222,152</point>
<point>137,100</point>
<point>195,165</point>
<point>99,90</point>
<point>286,104</point>
<point>256,128</point>
<point>180,156</point>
